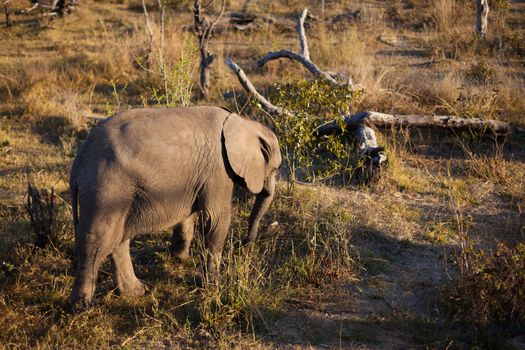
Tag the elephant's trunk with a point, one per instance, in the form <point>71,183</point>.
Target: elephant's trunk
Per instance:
<point>262,202</point>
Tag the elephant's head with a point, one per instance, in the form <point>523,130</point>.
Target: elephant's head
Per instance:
<point>253,153</point>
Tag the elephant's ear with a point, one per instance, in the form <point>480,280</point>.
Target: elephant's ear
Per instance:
<point>247,149</point>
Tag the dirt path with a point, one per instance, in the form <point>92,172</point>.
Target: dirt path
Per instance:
<point>394,295</point>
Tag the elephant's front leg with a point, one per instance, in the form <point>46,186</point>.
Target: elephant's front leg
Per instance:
<point>216,230</point>
<point>183,233</point>
<point>127,283</point>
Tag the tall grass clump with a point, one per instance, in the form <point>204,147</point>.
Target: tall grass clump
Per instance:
<point>491,287</point>
<point>305,246</point>
<point>177,77</point>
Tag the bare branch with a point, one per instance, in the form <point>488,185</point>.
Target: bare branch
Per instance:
<point>29,9</point>
<point>312,68</point>
<point>303,57</point>
<point>161,62</point>
<point>197,21</point>
<point>441,121</point>
<point>219,16</point>
<point>245,5</point>
<point>302,35</point>
<point>248,86</point>
<point>7,78</point>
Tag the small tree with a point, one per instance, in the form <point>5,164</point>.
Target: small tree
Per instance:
<point>482,15</point>
<point>203,30</point>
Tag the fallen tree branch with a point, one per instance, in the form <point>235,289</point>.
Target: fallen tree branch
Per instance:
<point>358,124</point>
<point>312,67</point>
<point>421,121</point>
<point>440,121</point>
<point>248,86</point>
<point>371,155</point>
<point>253,21</point>
<point>57,7</point>
<point>244,21</point>
<point>303,57</point>
<point>29,9</point>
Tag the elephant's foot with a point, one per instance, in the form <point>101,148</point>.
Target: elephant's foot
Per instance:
<point>80,304</point>
<point>181,256</point>
<point>133,289</point>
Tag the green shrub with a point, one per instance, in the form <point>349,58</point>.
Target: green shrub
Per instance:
<point>314,103</point>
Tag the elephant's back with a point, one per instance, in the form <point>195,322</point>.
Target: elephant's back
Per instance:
<point>143,140</point>
<point>158,121</point>
<point>161,136</point>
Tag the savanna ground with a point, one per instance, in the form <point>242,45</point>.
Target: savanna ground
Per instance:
<point>335,266</point>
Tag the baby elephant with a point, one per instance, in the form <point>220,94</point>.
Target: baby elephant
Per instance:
<point>146,170</point>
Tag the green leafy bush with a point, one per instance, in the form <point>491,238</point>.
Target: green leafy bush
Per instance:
<point>307,155</point>
<point>492,286</point>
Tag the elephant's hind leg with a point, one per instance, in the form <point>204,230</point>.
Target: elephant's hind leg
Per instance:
<point>127,283</point>
<point>97,236</point>
<point>183,233</point>
<point>90,255</point>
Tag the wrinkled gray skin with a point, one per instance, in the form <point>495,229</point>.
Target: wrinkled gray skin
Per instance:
<point>146,170</point>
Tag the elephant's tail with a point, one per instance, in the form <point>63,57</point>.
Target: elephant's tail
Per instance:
<point>73,188</point>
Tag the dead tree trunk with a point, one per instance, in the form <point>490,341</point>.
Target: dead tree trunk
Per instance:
<point>358,125</point>
<point>371,155</point>
<point>482,15</point>
<point>384,120</point>
<point>203,30</point>
<point>147,56</point>
<point>8,22</point>
<point>303,57</point>
<point>40,208</point>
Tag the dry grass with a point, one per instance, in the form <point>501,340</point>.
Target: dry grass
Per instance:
<point>444,14</point>
<point>327,241</point>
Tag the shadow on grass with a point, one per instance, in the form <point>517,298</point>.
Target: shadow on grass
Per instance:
<point>386,308</point>
<point>455,144</point>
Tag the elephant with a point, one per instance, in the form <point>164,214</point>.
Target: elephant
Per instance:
<point>150,169</point>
